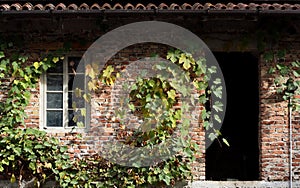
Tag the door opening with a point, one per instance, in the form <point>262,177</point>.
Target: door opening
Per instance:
<point>240,161</point>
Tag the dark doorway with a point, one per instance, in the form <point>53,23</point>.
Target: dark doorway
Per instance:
<point>240,161</point>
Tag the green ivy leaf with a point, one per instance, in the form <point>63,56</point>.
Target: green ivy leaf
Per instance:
<point>39,146</point>
<point>296,64</point>
<point>296,73</point>
<point>63,149</point>
<point>271,70</point>
<point>47,144</point>
<point>217,91</point>
<point>218,106</point>
<point>17,151</point>
<point>1,168</point>
<point>217,81</point>
<point>167,179</point>
<point>5,161</point>
<point>2,54</point>
<point>173,55</point>
<point>212,69</point>
<point>32,166</point>
<point>11,158</point>
<point>212,136</point>
<point>268,56</point>
<point>217,118</point>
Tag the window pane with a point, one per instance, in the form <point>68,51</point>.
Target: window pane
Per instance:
<point>75,117</point>
<point>80,81</point>
<point>54,100</point>
<point>54,82</point>
<point>79,101</point>
<point>73,67</point>
<point>57,69</point>
<point>54,118</point>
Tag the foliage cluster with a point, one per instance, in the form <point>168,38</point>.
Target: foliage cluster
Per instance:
<point>30,156</point>
<point>287,77</point>
<point>155,101</point>
<point>27,155</point>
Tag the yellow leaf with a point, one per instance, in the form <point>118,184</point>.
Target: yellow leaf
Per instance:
<point>16,82</point>
<point>87,97</point>
<point>172,94</point>
<point>48,165</point>
<point>55,59</point>
<point>77,92</point>
<point>26,78</point>
<point>186,65</point>
<point>107,72</point>
<point>90,71</point>
<point>92,85</point>
<point>74,106</point>
<point>13,178</point>
<point>83,111</point>
<point>182,59</point>
<point>36,65</point>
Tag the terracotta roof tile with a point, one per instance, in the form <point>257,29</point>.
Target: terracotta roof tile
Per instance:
<point>129,6</point>
<point>16,6</point>
<point>84,6</point>
<point>72,7</point>
<point>198,6</point>
<point>29,7</point>
<point>140,6</point>
<point>163,6</point>
<point>4,7</point>
<point>49,7</point>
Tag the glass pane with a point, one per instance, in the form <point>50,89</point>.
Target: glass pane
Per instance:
<point>79,101</point>
<point>73,67</point>
<point>54,82</point>
<point>75,117</point>
<point>80,81</point>
<point>54,100</point>
<point>57,69</point>
<point>54,118</point>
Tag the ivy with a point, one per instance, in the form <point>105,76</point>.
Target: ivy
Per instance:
<point>286,77</point>
<point>153,100</point>
<point>31,156</point>
<point>28,156</point>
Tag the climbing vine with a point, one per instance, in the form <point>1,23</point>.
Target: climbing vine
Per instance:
<point>154,100</point>
<point>28,156</point>
<point>287,77</point>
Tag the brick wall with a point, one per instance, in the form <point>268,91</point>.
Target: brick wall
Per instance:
<point>274,129</point>
<point>103,126</point>
<point>273,132</point>
<point>44,34</point>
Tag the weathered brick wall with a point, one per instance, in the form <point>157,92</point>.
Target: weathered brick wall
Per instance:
<point>103,126</point>
<point>274,129</point>
<point>42,34</point>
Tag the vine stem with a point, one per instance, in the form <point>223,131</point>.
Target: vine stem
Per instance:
<point>291,142</point>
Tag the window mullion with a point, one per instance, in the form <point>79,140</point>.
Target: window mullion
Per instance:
<point>65,93</point>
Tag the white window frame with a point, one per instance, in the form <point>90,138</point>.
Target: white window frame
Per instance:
<point>43,101</point>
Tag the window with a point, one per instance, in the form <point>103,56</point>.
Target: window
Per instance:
<point>60,106</point>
